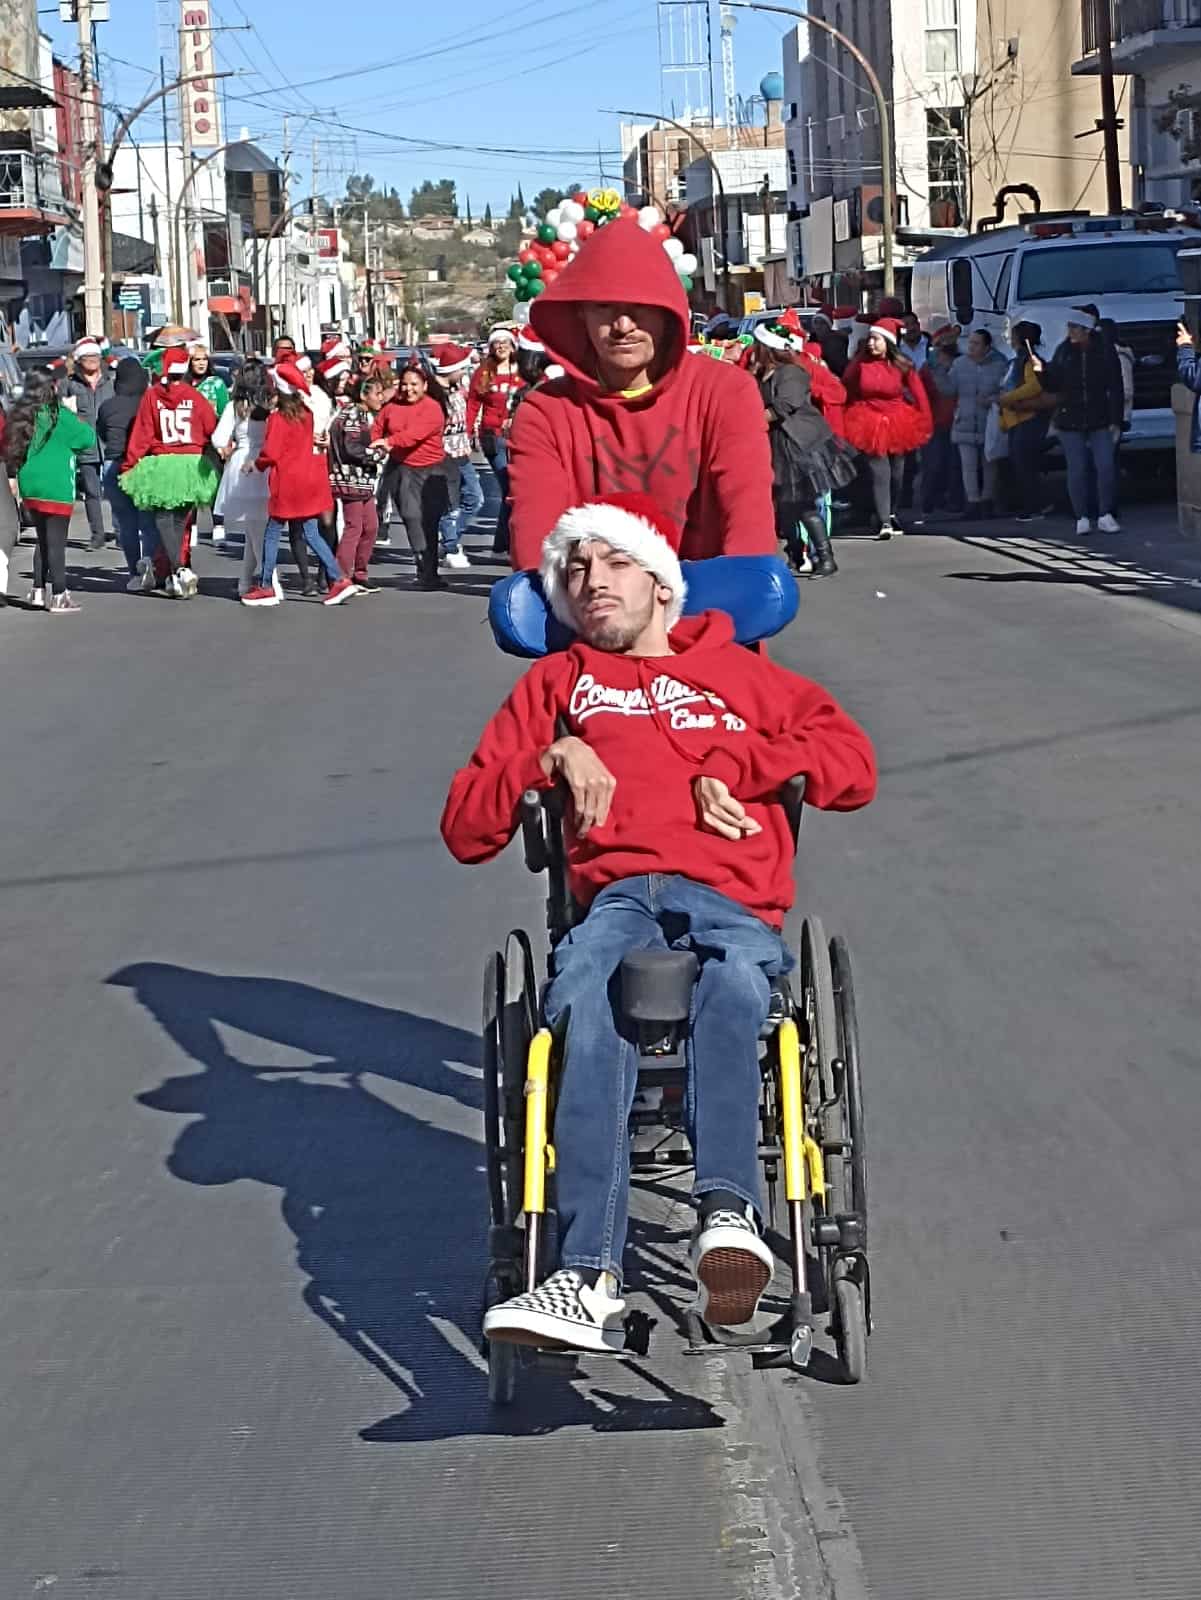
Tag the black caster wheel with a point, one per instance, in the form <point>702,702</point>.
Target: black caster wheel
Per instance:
<point>850,1329</point>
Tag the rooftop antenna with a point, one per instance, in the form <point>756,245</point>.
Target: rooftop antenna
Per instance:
<point>686,59</point>
<point>728,85</point>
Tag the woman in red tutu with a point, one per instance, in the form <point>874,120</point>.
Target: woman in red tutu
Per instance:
<point>887,415</point>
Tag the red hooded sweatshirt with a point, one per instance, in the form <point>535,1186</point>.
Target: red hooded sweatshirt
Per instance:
<point>696,442</point>
<point>413,433</point>
<point>298,481</point>
<point>172,420</point>
<point>710,708</point>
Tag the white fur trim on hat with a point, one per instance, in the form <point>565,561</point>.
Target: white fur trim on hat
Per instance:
<point>1076,317</point>
<point>621,529</point>
<point>502,331</point>
<point>886,334</point>
<point>767,335</point>
<point>86,347</point>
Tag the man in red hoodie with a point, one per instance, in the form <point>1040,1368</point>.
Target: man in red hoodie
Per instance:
<point>678,744</point>
<point>633,413</point>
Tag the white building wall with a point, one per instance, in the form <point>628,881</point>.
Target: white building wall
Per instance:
<point>160,171</point>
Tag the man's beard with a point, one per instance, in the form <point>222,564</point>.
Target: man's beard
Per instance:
<point>618,632</point>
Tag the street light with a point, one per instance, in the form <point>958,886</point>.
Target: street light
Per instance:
<point>887,187</point>
<point>689,133</point>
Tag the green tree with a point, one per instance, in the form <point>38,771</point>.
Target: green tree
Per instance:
<point>435,199</point>
<point>498,307</point>
<point>546,200</point>
<point>488,216</point>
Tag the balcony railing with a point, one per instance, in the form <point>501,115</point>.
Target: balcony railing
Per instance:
<point>1127,18</point>
<point>30,183</point>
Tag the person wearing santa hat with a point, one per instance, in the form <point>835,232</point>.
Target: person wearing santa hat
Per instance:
<point>298,488</point>
<point>452,373</point>
<point>328,394</point>
<point>88,386</point>
<point>490,396</point>
<point>353,476</point>
<point>635,411</point>
<point>673,744</point>
<point>166,468</point>
<point>887,416</point>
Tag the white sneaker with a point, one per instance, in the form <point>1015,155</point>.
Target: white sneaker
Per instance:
<point>561,1311</point>
<point>457,559</point>
<point>134,586</point>
<point>189,583</point>
<point>37,599</point>
<point>732,1266</point>
<point>277,584</point>
<point>1108,524</point>
<point>1083,526</point>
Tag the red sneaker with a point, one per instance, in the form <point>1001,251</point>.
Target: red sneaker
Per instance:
<point>343,589</point>
<point>260,597</point>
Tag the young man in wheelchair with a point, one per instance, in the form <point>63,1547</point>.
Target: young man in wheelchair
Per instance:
<point>678,744</point>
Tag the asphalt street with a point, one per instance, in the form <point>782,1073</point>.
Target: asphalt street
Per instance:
<point>241,1201</point>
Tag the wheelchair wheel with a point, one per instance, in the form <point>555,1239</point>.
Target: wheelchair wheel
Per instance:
<point>850,1329</point>
<point>817,1003</point>
<point>848,1050</point>
<point>510,1017</point>
<point>502,1360</point>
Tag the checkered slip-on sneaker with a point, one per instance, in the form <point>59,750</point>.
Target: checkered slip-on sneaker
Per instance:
<point>562,1313</point>
<point>732,1266</point>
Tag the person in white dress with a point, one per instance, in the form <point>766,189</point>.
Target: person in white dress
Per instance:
<point>242,496</point>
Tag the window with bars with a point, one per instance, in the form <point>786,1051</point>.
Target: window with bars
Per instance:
<point>942,36</point>
<point>946,166</point>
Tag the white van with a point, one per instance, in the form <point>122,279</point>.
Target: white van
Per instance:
<point>1037,271</point>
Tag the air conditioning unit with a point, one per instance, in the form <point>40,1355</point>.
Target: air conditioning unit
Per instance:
<point>842,221</point>
<point>867,117</point>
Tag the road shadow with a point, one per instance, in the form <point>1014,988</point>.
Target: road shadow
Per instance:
<point>374,1146</point>
<point>1116,568</point>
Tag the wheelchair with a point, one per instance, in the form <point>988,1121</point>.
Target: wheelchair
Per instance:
<point>812,1144</point>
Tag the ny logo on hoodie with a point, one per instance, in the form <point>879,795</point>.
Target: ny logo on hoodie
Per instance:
<point>648,473</point>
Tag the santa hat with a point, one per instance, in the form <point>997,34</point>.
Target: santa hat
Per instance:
<point>368,347</point>
<point>889,329</point>
<point>87,346</point>
<point>176,360</point>
<point>1077,317</point>
<point>630,522</point>
<point>790,322</point>
<point>334,345</point>
<point>771,337</point>
<point>451,358</point>
<point>945,332</point>
<point>332,367</point>
<point>503,330</point>
<point>288,378</point>
<point>529,341</point>
<point>303,364</point>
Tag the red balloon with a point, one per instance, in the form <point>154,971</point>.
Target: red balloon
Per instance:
<point>549,276</point>
<point>560,250</point>
<point>660,231</point>
<point>525,254</point>
<point>585,229</point>
<point>580,198</point>
<point>627,210</point>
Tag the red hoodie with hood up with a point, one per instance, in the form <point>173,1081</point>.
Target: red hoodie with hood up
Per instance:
<point>711,708</point>
<point>696,442</point>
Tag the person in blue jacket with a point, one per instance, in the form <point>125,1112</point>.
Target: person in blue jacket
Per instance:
<point>1188,370</point>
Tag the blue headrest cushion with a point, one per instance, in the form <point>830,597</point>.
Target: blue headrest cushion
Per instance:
<point>758,593</point>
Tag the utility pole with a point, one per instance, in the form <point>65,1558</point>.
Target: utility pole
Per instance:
<point>1109,123</point>
<point>93,263</point>
<point>185,137</point>
<point>367,269</point>
<point>765,193</point>
<point>283,238</point>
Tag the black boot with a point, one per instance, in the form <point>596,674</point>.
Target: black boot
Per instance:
<point>824,564</point>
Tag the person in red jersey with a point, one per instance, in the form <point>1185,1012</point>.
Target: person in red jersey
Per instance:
<point>634,412</point>
<point>673,743</point>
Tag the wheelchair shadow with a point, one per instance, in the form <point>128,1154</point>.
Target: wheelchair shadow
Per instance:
<point>375,1147</point>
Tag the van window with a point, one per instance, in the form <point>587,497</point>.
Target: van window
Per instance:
<point>1001,293</point>
<point>1088,271</point>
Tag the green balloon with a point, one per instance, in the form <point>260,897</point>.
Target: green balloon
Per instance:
<point>534,287</point>
<point>547,234</point>
<point>687,282</point>
<point>515,271</point>
<point>533,269</point>
<point>591,213</point>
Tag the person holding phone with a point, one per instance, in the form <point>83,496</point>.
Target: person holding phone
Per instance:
<point>1085,375</point>
<point>1025,417</point>
<point>1188,370</point>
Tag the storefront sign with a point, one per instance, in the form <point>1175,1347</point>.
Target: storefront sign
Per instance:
<point>199,97</point>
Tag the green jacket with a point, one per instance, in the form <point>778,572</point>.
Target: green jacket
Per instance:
<point>49,469</point>
<point>214,391</point>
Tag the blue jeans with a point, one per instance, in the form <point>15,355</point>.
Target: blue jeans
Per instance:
<point>738,955</point>
<point>136,530</point>
<point>1096,447</point>
<point>940,481</point>
<point>471,499</point>
<point>496,449</point>
<point>312,537</point>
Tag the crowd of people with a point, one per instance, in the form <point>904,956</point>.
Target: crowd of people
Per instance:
<point>319,452</point>
<point>605,389</point>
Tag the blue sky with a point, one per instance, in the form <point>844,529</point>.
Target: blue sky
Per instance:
<point>531,77</point>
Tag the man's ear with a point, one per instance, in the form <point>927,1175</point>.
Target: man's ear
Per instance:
<point>663,593</point>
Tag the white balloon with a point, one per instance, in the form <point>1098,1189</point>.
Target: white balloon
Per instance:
<point>555,216</point>
<point>649,217</point>
<point>674,248</point>
<point>571,211</point>
<point>568,231</point>
<point>686,264</point>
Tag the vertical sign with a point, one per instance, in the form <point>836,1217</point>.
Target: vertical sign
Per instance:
<point>196,65</point>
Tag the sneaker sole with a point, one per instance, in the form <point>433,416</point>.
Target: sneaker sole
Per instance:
<point>544,1332</point>
<point>732,1284</point>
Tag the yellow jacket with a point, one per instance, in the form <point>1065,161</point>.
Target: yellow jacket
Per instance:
<point>1015,403</point>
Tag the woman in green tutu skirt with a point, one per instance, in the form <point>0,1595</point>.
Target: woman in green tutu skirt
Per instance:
<point>166,470</point>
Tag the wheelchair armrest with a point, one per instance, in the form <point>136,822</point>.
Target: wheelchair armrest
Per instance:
<point>792,798</point>
<point>533,831</point>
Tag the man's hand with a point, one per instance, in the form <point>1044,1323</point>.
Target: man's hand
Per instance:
<point>1183,336</point>
<point>588,778</point>
<point>719,812</point>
